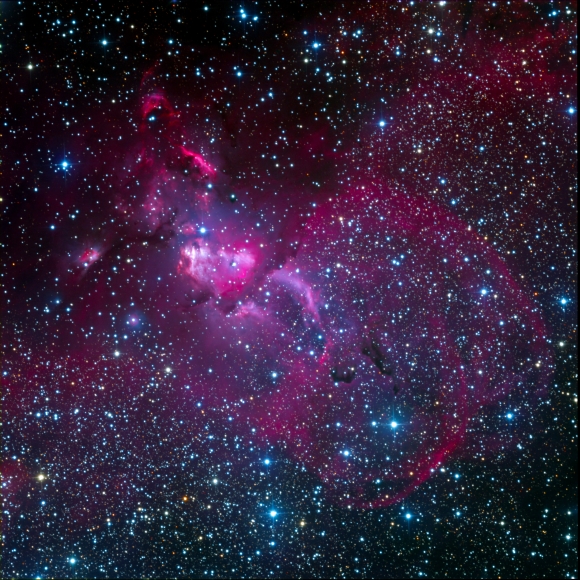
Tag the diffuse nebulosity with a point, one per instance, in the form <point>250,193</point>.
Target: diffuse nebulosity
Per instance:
<point>286,290</point>
<point>384,315</point>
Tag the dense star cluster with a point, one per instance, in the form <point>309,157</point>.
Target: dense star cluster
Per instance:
<point>289,289</point>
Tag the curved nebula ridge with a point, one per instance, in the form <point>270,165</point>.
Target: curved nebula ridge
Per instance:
<point>424,320</point>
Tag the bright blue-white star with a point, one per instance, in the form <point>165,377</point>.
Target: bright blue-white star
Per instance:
<point>394,424</point>
<point>273,513</point>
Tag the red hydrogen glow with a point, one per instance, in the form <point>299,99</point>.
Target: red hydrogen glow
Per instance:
<point>426,333</point>
<point>373,337</point>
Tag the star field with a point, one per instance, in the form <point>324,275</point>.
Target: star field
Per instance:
<point>290,289</point>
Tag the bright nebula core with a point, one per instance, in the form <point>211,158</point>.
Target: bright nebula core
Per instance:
<point>279,254</point>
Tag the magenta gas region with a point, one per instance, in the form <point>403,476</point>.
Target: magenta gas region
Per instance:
<point>372,344</point>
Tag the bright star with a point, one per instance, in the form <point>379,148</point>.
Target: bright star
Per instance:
<point>394,424</point>
<point>273,513</point>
